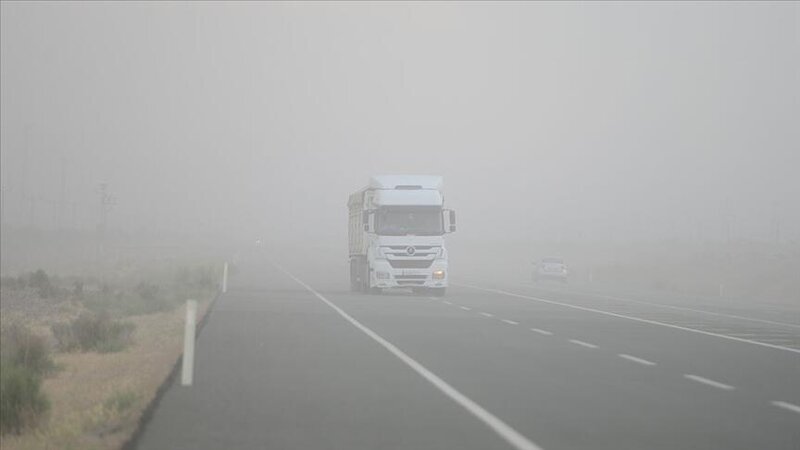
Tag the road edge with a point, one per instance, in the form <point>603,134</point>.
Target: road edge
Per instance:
<point>149,411</point>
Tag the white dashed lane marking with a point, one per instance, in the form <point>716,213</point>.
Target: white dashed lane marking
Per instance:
<point>637,319</point>
<point>712,383</point>
<point>787,406</point>
<point>637,360</point>
<point>582,344</point>
<point>708,382</point>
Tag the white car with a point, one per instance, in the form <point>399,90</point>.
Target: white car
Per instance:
<point>550,269</point>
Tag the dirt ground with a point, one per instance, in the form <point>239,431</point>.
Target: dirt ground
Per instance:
<point>96,399</point>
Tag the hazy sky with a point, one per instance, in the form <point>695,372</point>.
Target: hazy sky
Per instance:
<point>593,120</point>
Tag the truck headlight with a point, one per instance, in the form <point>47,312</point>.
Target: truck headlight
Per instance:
<point>438,274</point>
<point>382,275</point>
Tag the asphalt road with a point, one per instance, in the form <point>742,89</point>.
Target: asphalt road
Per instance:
<point>290,360</point>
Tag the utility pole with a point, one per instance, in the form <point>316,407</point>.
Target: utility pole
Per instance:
<point>62,205</point>
<point>32,212</point>
<point>2,205</point>
<point>776,223</point>
<point>107,202</point>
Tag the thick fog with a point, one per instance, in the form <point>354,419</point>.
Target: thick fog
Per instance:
<point>548,121</point>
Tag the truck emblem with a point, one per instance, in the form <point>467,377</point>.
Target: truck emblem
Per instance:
<point>410,251</point>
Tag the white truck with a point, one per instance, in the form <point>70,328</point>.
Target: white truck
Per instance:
<point>396,235</point>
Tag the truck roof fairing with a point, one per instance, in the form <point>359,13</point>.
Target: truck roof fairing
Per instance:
<point>406,182</point>
<point>398,197</point>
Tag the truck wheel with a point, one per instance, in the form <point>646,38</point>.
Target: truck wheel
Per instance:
<point>365,287</point>
<point>438,292</point>
<point>354,285</point>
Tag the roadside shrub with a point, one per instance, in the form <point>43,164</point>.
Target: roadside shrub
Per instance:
<point>20,346</point>
<point>77,288</point>
<point>199,276</point>
<point>24,358</point>
<point>21,401</point>
<point>146,290</point>
<point>40,281</point>
<point>121,401</point>
<point>13,283</point>
<point>94,332</point>
<point>127,302</point>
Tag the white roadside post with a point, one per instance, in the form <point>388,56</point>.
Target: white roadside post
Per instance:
<point>188,343</point>
<point>225,278</point>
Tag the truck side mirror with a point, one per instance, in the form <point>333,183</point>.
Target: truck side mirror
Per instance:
<point>451,220</point>
<point>365,218</point>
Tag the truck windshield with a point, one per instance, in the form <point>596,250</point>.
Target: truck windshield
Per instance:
<point>406,220</point>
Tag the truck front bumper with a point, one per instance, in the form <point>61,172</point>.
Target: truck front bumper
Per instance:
<point>384,275</point>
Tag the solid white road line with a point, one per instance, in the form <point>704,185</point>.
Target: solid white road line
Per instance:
<point>713,383</point>
<point>637,360</point>
<point>637,319</point>
<point>487,314</point>
<point>540,331</point>
<point>446,302</point>
<point>787,406</point>
<point>581,343</point>
<point>510,435</point>
<point>465,308</point>
<point>510,322</point>
<point>702,311</point>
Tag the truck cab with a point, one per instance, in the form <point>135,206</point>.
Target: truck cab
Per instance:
<point>396,234</point>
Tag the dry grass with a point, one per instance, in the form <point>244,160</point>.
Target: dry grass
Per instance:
<point>97,398</point>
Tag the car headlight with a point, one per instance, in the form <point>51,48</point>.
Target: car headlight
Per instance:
<point>438,274</point>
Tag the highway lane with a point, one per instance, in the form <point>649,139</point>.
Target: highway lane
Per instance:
<point>277,367</point>
<point>566,393</point>
<point>766,323</point>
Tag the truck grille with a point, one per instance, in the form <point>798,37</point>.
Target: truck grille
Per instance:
<point>418,250</point>
<point>410,263</point>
